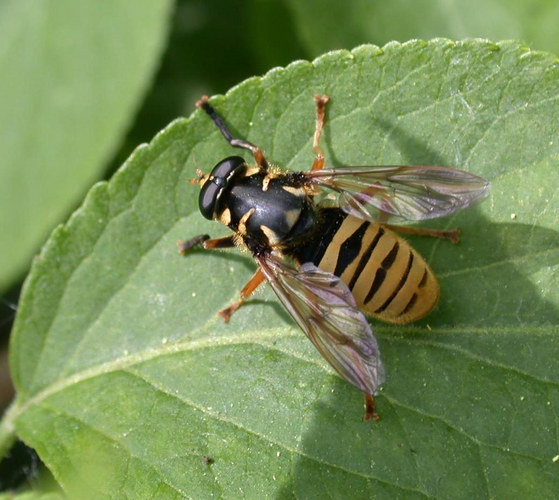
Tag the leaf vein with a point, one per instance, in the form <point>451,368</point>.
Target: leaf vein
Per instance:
<point>268,439</point>
<point>471,355</point>
<point>461,431</point>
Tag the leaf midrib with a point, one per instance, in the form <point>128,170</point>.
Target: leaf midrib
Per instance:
<point>268,338</point>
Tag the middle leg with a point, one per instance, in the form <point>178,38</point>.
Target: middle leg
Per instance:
<point>226,242</point>
<point>321,101</point>
<point>246,292</point>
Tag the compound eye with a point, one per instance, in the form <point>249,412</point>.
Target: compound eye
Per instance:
<point>208,199</point>
<point>216,183</point>
<point>224,168</point>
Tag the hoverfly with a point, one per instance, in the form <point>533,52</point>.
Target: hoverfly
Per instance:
<point>329,264</point>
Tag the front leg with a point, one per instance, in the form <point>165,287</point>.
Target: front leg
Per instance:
<point>204,104</point>
<point>206,243</point>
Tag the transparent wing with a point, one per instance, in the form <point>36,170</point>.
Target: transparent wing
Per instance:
<point>402,193</point>
<point>326,311</point>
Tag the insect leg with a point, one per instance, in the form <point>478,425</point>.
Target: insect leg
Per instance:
<point>238,143</point>
<point>207,244</point>
<point>246,292</point>
<point>370,408</point>
<point>452,234</point>
<point>321,101</point>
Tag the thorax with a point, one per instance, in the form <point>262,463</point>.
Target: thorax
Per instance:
<point>267,208</point>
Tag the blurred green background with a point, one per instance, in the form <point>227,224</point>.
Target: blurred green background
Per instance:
<point>84,83</point>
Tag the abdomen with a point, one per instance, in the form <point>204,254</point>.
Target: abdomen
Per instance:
<point>387,277</point>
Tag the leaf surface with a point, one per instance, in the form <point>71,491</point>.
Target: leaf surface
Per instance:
<point>124,371</point>
<point>72,76</point>
<point>318,22</point>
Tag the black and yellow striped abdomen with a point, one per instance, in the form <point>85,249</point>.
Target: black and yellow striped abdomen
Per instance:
<point>387,277</point>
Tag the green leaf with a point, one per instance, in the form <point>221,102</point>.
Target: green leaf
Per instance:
<point>124,371</point>
<point>379,21</point>
<point>31,495</point>
<point>72,76</point>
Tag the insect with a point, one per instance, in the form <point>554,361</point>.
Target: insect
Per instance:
<point>330,263</point>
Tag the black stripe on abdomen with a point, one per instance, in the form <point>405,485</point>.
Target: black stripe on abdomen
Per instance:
<point>349,249</point>
<point>382,271</point>
<point>400,285</point>
<point>365,258</point>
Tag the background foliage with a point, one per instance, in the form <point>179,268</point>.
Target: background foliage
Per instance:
<point>118,365</point>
